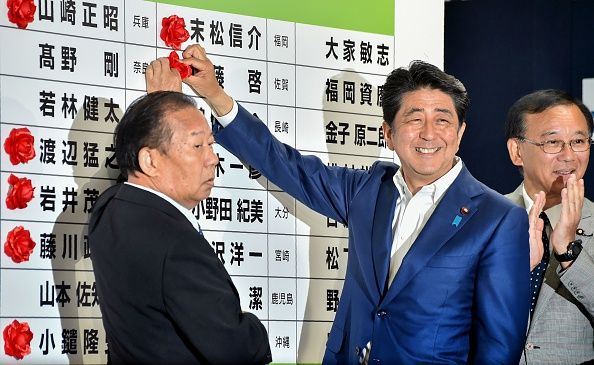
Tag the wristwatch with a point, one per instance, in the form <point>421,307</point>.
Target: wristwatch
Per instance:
<point>573,250</point>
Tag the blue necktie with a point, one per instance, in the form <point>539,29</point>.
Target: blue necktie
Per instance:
<point>537,275</point>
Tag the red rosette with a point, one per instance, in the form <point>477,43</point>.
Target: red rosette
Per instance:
<point>19,245</point>
<point>20,145</point>
<point>17,339</point>
<point>173,31</point>
<point>20,192</point>
<point>21,12</point>
<point>184,70</point>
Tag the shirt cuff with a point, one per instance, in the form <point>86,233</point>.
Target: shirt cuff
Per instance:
<point>226,119</point>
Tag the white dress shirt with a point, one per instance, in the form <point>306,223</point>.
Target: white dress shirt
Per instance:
<point>224,120</point>
<point>413,212</point>
<point>411,215</point>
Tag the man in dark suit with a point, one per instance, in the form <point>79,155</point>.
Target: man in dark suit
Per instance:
<point>437,272</point>
<point>549,138</point>
<point>165,297</point>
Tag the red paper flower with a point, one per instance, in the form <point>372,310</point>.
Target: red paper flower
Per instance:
<point>174,31</point>
<point>20,192</point>
<point>17,339</point>
<point>20,145</point>
<point>19,245</point>
<point>184,70</point>
<point>21,12</point>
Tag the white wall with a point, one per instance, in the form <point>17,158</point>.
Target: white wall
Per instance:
<point>419,31</point>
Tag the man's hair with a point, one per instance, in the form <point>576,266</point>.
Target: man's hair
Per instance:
<point>420,75</point>
<point>144,125</point>
<point>537,102</point>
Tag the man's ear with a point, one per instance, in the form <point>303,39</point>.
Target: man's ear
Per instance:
<point>148,160</point>
<point>461,132</point>
<point>513,148</point>
<point>388,135</point>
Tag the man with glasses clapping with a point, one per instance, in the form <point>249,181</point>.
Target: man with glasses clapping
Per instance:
<point>549,137</point>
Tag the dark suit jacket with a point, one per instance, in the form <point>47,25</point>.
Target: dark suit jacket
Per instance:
<point>462,292</point>
<point>165,297</point>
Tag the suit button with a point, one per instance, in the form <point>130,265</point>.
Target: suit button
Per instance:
<point>357,349</point>
<point>382,314</point>
<point>529,346</point>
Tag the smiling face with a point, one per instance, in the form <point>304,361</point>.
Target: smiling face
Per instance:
<point>549,172</point>
<point>425,134</point>
<point>187,169</point>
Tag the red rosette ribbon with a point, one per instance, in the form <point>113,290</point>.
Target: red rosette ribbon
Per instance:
<point>21,12</point>
<point>17,339</point>
<point>19,245</point>
<point>173,31</point>
<point>184,70</point>
<point>20,192</point>
<point>20,145</point>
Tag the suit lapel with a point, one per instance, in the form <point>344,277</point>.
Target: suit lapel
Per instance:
<point>517,196</point>
<point>552,281</point>
<point>381,236</point>
<point>586,213</point>
<point>443,224</point>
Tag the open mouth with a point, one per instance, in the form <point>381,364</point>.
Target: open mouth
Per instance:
<point>564,172</point>
<point>425,150</point>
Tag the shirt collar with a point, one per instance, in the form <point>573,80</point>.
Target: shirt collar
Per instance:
<point>183,210</point>
<point>435,189</point>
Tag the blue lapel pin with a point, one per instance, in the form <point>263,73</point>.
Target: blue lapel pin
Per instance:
<point>457,220</point>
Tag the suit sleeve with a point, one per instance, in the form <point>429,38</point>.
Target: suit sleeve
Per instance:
<point>327,190</point>
<point>579,278</point>
<point>204,304</point>
<point>502,295</point>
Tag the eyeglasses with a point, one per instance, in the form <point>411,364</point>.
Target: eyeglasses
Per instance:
<point>556,145</point>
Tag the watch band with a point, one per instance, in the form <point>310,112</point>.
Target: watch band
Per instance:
<point>573,250</point>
